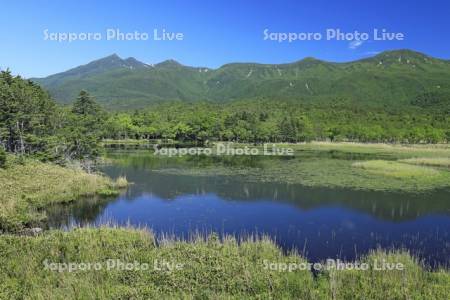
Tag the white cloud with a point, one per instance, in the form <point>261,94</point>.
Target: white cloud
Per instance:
<point>355,44</point>
<point>372,52</point>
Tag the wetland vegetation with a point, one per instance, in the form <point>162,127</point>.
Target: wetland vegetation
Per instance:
<point>212,268</point>
<point>28,186</point>
<point>411,168</point>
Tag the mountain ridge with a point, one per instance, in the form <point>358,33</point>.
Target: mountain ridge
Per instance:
<point>397,76</point>
<point>308,58</point>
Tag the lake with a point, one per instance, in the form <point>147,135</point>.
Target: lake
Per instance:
<point>320,222</point>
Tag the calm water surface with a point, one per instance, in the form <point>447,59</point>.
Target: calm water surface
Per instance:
<point>320,222</point>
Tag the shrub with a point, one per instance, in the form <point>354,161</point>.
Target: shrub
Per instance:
<point>2,158</point>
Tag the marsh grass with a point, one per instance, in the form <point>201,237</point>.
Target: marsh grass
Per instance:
<point>212,269</point>
<point>376,175</point>
<point>336,165</point>
<point>415,282</point>
<point>397,150</point>
<point>121,182</point>
<point>410,177</point>
<point>428,161</point>
<point>27,187</point>
<point>396,169</point>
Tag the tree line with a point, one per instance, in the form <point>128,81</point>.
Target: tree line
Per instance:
<point>261,121</point>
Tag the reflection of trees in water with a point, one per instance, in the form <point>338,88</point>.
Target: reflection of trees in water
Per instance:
<point>141,156</point>
<point>144,160</point>
<point>84,211</point>
<point>384,205</point>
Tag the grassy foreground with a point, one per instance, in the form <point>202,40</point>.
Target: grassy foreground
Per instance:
<point>207,269</point>
<point>28,186</point>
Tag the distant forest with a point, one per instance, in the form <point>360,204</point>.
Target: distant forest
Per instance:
<point>32,123</point>
<point>260,121</point>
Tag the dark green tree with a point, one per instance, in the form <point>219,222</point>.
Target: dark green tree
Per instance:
<point>83,128</point>
<point>85,105</point>
<point>27,116</point>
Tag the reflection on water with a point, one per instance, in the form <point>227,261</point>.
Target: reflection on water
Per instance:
<point>320,222</point>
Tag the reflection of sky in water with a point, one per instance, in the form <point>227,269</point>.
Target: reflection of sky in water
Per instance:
<point>320,223</point>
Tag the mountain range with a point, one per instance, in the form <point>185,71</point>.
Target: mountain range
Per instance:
<point>395,78</point>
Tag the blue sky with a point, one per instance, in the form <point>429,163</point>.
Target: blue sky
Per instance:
<point>213,33</point>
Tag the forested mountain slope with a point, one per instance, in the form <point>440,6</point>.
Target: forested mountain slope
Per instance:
<point>394,78</point>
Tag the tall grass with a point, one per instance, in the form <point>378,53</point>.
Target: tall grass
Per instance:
<point>212,269</point>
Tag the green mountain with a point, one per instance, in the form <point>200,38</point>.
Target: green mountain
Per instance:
<point>393,78</point>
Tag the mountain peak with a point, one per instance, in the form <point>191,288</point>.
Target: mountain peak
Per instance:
<point>131,59</point>
<point>402,57</point>
<point>402,52</point>
<point>133,63</point>
<point>308,62</point>
<point>408,51</point>
<point>170,63</point>
<point>309,58</point>
<point>99,66</point>
<point>114,55</point>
